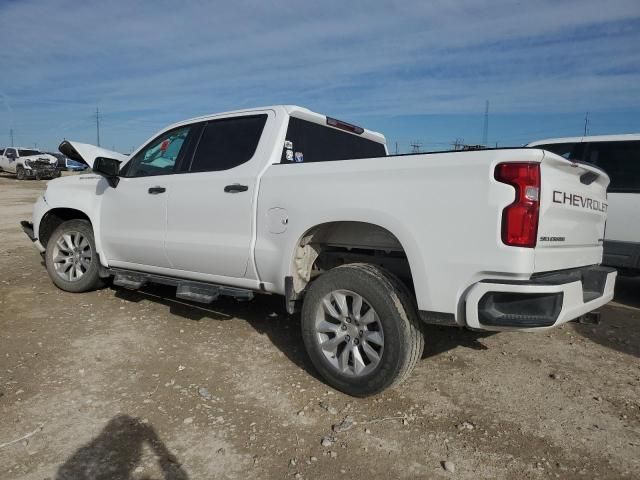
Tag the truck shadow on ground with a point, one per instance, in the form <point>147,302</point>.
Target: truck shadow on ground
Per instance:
<point>619,327</point>
<point>267,315</point>
<point>117,451</point>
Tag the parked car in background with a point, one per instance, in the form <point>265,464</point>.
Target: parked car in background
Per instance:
<point>75,166</point>
<point>29,163</point>
<point>66,164</point>
<point>619,156</point>
<point>282,200</point>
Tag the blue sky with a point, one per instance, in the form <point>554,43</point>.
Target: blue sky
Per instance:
<point>413,70</point>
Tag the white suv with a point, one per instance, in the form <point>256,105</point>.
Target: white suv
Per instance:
<point>619,156</point>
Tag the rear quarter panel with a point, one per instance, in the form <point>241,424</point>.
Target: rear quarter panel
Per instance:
<point>445,209</point>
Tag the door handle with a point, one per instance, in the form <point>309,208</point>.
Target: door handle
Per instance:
<point>156,190</point>
<point>235,188</point>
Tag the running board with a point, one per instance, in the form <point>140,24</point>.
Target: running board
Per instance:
<point>185,289</point>
<point>132,282</point>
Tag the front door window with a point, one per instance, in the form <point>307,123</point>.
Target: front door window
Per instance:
<point>161,156</point>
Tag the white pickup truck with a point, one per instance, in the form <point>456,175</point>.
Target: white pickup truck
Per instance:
<point>281,200</point>
<point>28,163</point>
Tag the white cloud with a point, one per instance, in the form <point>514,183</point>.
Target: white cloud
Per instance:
<point>148,63</point>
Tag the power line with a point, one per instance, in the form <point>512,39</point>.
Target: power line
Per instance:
<point>11,135</point>
<point>97,126</point>
<point>485,127</point>
<point>586,124</point>
<point>416,146</point>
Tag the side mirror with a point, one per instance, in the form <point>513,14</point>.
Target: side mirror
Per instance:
<point>11,155</point>
<point>109,168</point>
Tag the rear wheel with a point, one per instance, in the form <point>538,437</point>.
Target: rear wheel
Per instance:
<point>20,173</point>
<point>361,329</point>
<point>71,257</point>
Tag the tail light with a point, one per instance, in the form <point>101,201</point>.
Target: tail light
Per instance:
<point>520,219</point>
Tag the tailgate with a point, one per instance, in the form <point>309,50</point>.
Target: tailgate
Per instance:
<point>573,209</point>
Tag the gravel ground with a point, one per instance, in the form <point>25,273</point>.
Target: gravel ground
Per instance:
<point>116,384</point>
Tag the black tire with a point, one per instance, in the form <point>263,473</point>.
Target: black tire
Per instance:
<point>90,278</point>
<point>20,174</point>
<point>397,314</point>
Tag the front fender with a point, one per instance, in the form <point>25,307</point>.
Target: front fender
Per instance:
<point>80,193</point>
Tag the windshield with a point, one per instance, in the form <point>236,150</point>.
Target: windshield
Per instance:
<point>28,153</point>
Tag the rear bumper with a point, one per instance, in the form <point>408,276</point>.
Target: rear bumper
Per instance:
<point>543,302</point>
<point>622,255</point>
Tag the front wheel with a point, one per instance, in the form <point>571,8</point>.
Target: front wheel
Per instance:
<point>20,173</point>
<point>361,329</point>
<point>71,259</point>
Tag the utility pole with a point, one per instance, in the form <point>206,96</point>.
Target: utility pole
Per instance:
<point>396,148</point>
<point>485,127</point>
<point>98,126</point>
<point>586,124</point>
<point>11,135</point>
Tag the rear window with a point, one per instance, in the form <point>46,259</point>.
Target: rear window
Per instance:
<point>227,143</point>
<point>621,160</point>
<point>310,142</point>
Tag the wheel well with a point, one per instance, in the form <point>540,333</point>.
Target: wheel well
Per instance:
<point>332,244</point>
<point>52,220</point>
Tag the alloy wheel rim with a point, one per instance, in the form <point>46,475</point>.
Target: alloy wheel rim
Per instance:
<point>349,333</point>
<point>72,256</point>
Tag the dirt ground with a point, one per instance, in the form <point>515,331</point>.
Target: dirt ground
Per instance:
<point>115,384</point>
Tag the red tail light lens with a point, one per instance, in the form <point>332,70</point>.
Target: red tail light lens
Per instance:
<point>520,219</point>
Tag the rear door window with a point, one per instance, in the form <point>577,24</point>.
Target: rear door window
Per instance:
<point>310,142</point>
<point>621,161</point>
<point>227,143</point>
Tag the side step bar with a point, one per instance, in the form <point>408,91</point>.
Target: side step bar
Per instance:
<point>185,289</point>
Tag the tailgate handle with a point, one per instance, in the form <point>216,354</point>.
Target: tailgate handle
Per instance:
<point>588,178</point>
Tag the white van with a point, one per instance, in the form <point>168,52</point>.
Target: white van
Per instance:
<point>619,156</point>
